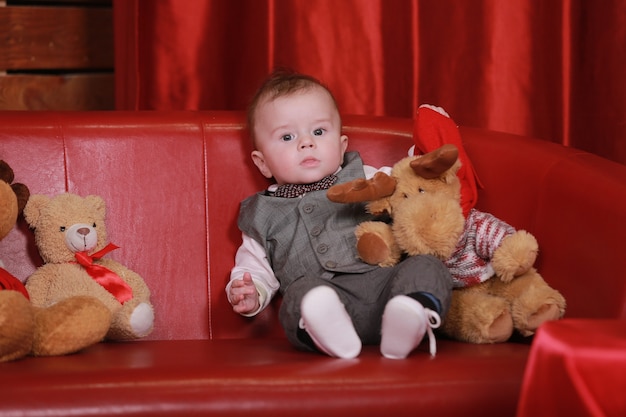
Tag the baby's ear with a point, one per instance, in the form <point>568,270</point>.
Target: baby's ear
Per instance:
<point>259,161</point>
<point>344,143</point>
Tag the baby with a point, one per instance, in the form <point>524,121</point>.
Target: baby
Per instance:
<point>299,243</point>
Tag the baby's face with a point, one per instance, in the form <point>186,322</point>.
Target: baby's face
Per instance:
<point>298,137</point>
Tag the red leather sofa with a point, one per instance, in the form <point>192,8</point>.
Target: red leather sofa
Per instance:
<point>173,182</point>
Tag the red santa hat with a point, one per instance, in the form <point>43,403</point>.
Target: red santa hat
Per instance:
<point>432,128</point>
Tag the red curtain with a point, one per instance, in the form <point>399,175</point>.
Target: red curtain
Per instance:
<point>549,69</point>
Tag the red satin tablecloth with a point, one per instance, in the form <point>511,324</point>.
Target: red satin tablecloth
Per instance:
<point>577,367</point>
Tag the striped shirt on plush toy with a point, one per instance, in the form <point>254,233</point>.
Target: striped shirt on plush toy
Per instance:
<point>470,263</point>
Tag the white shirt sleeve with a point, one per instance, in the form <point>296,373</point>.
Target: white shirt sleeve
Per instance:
<point>370,171</point>
<point>251,257</point>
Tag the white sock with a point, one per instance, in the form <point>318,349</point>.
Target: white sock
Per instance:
<point>405,322</point>
<point>326,320</point>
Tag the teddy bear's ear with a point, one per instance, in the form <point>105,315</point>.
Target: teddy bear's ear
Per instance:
<point>97,204</point>
<point>6,173</point>
<point>23,193</point>
<point>32,210</point>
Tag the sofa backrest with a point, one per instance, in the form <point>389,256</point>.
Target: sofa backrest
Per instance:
<point>173,182</point>
<point>574,202</point>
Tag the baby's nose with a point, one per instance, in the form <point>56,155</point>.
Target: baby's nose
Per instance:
<point>307,142</point>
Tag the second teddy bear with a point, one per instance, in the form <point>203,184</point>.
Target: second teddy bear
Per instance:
<point>71,236</point>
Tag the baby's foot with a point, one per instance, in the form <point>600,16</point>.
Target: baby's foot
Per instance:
<point>326,320</point>
<point>405,321</point>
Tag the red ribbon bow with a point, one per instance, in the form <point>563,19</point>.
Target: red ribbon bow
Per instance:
<point>104,276</point>
<point>9,282</point>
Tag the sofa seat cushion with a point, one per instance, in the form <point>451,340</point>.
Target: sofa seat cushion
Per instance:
<point>264,377</point>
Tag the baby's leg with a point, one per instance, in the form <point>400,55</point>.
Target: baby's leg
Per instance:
<point>314,318</point>
<point>426,279</point>
<point>421,289</point>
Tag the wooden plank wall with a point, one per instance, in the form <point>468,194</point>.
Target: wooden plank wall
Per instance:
<point>56,55</point>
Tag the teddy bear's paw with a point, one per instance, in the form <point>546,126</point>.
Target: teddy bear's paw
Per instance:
<point>515,256</point>
<point>142,320</point>
<point>546,312</point>
<point>494,326</point>
<point>477,317</point>
<point>16,326</point>
<point>70,325</point>
<point>373,250</point>
<point>133,321</point>
<point>533,302</point>
<point>500,330</point>
<point>376,244</point>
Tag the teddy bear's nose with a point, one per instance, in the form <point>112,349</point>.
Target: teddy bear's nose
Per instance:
<point>83,231</point>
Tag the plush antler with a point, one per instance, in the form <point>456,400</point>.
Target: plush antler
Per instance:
<point>429,166</point>
<point>379,186</point>
<point>435,163</point>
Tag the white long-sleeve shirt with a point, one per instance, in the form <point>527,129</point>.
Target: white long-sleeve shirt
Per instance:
<point>251,257</point>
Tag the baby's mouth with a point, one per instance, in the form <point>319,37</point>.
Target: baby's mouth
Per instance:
<point>309,162</point>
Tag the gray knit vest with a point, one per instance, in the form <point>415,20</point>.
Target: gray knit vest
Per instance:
<point>309,235</point>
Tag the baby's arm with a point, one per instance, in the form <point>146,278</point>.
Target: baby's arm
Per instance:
<point>252,281</point>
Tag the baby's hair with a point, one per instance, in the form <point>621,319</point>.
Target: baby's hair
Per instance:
<point>280,83</point>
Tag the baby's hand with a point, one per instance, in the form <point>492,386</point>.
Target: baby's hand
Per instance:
<point>243,295</point>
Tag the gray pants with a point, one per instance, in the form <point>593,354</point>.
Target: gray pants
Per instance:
<point>365,295</point>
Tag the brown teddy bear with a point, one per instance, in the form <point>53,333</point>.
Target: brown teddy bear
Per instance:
<point>16,318</point>
<point>71,236</point>
<point>423,196</point>
<point>65,327</point>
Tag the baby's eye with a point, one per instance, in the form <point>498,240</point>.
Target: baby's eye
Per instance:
<point>286,138</point>
<point>318,132</point>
